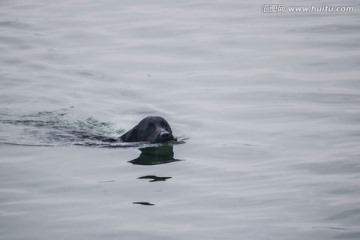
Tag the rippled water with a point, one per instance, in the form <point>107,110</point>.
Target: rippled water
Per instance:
<point>267,107</point>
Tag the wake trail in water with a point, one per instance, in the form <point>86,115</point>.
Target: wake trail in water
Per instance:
<point>56,128</point>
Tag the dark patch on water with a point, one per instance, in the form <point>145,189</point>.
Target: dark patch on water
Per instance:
<point>144,203</point>
<point>155,155</point>
<point>154,178</point>
<point>331,228</point>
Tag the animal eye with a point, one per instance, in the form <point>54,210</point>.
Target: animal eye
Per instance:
<point>164,124</point>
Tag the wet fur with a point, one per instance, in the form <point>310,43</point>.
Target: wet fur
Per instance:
<point>151,129</point>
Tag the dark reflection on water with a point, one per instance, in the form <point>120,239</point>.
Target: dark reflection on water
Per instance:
<point>154,178</point>
<point>144,203</point>
<point>155,156</point>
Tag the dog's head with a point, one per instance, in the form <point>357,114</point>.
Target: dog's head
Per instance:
<point>151,129</point>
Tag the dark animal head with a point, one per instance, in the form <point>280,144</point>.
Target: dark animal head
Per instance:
<point>150,129</point>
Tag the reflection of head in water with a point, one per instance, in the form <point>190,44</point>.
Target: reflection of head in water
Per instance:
<point>155,155</point>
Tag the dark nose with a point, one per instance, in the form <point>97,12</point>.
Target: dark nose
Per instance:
<point>165,136</point>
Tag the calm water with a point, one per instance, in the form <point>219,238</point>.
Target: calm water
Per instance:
<point>267,106</point>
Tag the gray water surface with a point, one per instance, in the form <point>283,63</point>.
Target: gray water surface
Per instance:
<point>266,107</point>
